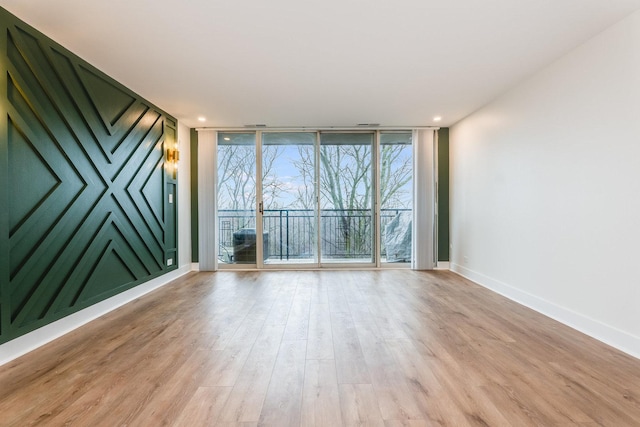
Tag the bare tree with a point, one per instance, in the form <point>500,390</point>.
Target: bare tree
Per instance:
<point>237,177</point>
<point>304,164</point>
<point>272,186</point>
<point>346,187</point>
<point>346,177</point>
<point>396,171</point>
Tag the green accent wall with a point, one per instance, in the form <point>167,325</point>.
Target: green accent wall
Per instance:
<point>84,200</point>
<point>443,194</point>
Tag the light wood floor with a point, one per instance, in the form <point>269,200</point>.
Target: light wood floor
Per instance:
<point>330,348</point>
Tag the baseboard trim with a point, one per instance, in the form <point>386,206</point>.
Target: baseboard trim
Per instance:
<point>443,265</point>
<point>607,334</point>
<point>41,336</point>
<point>195,266</point>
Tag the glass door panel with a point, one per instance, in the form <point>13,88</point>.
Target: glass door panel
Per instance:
<point>396,196</point>
<point>346,193</point>
<point>236,188</point>
<point>289,197</point>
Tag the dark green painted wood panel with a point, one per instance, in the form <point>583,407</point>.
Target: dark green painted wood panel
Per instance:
<point>443,194</point>
<point>84,210</point>
<point>4,190</point>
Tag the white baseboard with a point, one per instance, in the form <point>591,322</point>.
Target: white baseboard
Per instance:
<point>443,265</point>
<point>41,336</point>
<point>195,266</point>
<point>614,337</point>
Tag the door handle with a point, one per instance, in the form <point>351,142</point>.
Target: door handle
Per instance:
<point>260,208</point>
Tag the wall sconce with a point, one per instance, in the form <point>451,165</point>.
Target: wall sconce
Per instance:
<point>173,155</point>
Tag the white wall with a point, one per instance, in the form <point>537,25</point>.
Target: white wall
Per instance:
<point>545,190</point>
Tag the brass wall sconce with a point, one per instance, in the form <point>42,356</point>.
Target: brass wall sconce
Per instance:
<point>173,155</point>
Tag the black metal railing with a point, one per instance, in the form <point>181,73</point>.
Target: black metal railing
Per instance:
<point>289,234</point>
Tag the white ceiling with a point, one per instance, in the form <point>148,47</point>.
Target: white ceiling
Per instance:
<point>320,62</point>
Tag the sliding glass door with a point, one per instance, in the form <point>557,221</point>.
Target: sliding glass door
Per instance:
<point>236,204</point>
<point>346,195</point>
<point>308,198</point>
<point>396,197</point>
<point>289,198</point>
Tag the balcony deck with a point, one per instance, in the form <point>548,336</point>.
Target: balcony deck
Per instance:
<point>289,236</point>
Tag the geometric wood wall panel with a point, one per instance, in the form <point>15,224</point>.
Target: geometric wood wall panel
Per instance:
<point>84,201</point>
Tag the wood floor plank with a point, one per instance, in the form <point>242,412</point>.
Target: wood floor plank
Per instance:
<point>350,363</point>
<point>417,368</point>
<point>228,363</point>
<point>298,321</point>
<point>279,313</point>
<point>394,395</point>
<point>248,394</point>
<point>393,348</point>
<point>225,367</point>
<point>228,424</point>
<point>321,398</point>
<point>359,406</point>
<point>319,290</point>
<point>112,395</point>
<point>408,423</point>
<point>204,407</point>
<point>337,299</point>
<point>320,337</point>
<point>283,402</point>
<point>168,403</point>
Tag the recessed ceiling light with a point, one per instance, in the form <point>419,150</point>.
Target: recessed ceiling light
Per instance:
<point>202,119</point>
<point>437,118</point>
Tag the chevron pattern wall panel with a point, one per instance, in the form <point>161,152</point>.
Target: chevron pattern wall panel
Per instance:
<point>85,209</point>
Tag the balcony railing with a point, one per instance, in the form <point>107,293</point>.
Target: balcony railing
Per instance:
<point>289,234</point>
